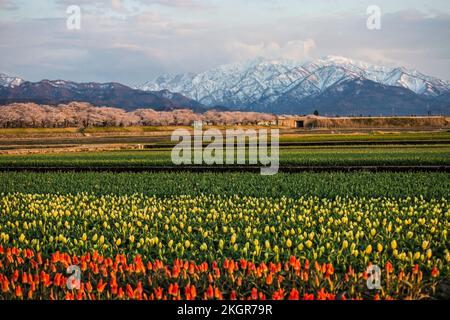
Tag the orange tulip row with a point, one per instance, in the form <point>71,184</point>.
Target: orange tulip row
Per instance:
<point>25,274</point>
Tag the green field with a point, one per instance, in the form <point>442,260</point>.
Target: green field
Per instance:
<point>325,185</point>
<point>306,156</point>
<point>161,136</point>
<point>364,136</point>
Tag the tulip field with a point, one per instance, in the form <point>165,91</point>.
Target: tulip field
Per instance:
<point>183,235</point>
<point>384,155</point>
<point>286,237</point>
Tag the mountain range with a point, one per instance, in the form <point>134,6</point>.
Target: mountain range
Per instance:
<point>53,92</point>
<point>332,85</point>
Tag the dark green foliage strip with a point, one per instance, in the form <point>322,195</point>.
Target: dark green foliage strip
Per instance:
<point>328,185</point>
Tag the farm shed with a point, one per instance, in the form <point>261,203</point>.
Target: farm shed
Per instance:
<point>310,122</point>
<point>292,122</point>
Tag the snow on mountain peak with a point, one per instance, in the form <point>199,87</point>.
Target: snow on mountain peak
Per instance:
<point>260,80</point>
<point>9,81</point>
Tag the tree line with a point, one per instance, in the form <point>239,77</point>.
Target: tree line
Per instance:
<point>81,114</point>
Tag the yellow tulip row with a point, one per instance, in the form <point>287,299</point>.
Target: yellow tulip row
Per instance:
<point>346,231</point>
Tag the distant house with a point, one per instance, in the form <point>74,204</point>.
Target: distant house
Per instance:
<point>292,122</point>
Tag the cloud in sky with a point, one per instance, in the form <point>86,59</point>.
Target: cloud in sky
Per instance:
<point>8,5</point>
<point>132,41</point>
<point>292,50</point>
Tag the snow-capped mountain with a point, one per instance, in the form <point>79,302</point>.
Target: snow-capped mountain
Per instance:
<point>332,85</point>
<point>110,94</point>
<point>262,84</point>
<point>398,77</point>
<point>8,81</point>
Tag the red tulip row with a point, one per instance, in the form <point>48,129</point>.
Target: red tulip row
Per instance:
<point>25,274</point>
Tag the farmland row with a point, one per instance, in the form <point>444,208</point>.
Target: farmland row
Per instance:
<point>324,185</point>
<point>355,156</point>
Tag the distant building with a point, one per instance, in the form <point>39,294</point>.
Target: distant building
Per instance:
<point>292,122</point>
<point>315,122</point>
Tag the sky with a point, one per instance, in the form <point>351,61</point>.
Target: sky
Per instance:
<point>133,41</point>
